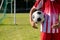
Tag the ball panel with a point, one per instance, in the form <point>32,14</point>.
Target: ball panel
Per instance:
<point>39,13</point>
<point>38,19</point>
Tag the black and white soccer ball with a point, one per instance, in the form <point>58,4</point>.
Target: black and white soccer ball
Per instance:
<point>38,16</point>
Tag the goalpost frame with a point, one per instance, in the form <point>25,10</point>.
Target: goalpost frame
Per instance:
<point>14,11</point>
<point>6,3</point>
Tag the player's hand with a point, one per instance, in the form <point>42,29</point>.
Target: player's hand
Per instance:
<point>56,25</point>
<point>34,25</point>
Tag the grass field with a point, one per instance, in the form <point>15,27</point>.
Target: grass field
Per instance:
<point>21,31</point>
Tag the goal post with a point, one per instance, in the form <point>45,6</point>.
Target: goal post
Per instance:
<point>14,11</point>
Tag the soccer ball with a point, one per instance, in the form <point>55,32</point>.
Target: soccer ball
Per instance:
<point>38,16</point>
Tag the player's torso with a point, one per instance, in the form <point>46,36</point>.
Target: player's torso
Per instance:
<point>51,17</point>
<point>48,3</point>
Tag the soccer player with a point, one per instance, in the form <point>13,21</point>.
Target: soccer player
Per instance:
<point>51,25</point>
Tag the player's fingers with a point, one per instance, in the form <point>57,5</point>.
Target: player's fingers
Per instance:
<point>55,26</point>
<point>34,26</point>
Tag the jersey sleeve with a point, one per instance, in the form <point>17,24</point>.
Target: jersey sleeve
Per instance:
<point>38,4</point>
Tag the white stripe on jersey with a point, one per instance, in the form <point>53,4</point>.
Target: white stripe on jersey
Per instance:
<point>53,30</point>
<point>41,27</point>
<point>57,30</point>
<point>44,25</point>
<point>49,24</point>
<point>53,18</point>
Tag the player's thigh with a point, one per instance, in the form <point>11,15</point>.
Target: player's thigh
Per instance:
<point>45,36</point>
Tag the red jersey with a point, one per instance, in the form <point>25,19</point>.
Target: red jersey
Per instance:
<point>51,9</point>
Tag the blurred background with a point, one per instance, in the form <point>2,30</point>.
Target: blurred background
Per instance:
<point>25,5</point>
<point>21,5</point>
<point>14,20</point>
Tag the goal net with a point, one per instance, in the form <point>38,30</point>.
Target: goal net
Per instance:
<point>7,18</point>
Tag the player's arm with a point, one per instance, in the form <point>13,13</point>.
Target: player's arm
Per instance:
<point>38,4</point>
<point>31,21</point>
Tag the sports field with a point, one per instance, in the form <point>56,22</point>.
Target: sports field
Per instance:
<point>21,31</point>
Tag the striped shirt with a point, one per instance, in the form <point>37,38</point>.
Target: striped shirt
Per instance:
<point>50,13</point>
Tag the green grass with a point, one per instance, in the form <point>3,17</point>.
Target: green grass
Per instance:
<point>21,31</point>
